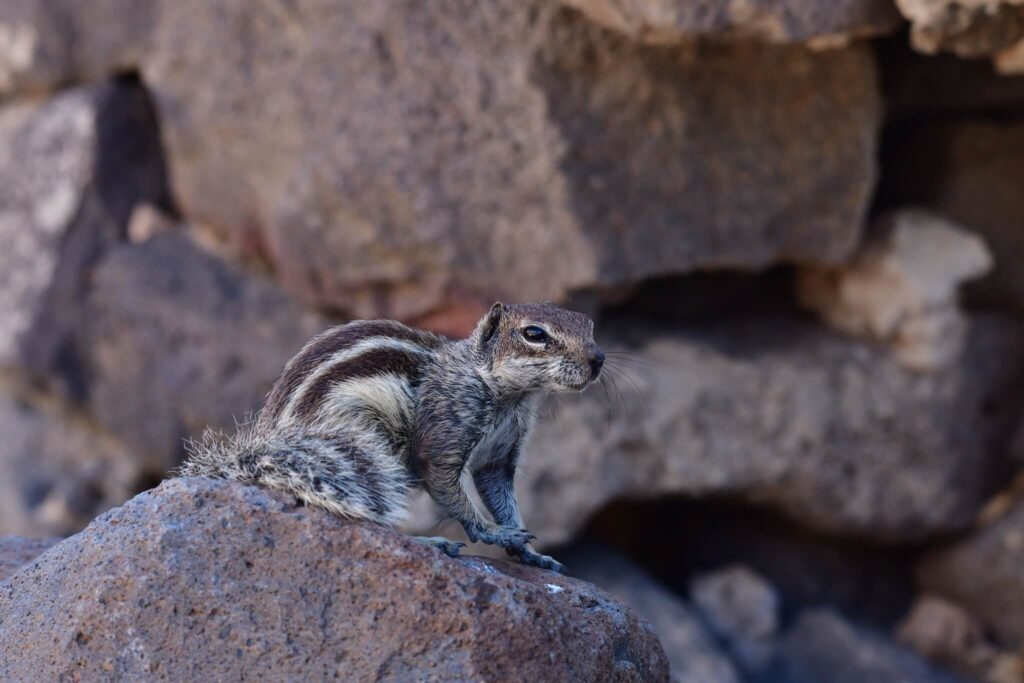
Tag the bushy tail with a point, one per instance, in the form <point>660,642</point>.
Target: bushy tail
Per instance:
<point>345,475</point>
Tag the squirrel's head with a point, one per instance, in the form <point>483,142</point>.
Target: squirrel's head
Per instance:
<point>537,347</point>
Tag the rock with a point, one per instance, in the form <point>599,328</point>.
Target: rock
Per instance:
<point>818,22</point>
<point>422,148</point>
<point>17,551</point>
<point>946,633</point>
<point>824,647</point>
<point>692,653</point>
<point>901,288</point>
<point>189,340</point>
<point>211,580</point>
<point>776,410</point>
<point>743,608</point>
<point>969,28</point>
<point>969,171</point>
<point>984,572</point>
<point>57,471</point>
<point>71,168</point>
<point>45,44</point>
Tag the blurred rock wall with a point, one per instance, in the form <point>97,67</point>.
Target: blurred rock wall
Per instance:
<point>799,223</point>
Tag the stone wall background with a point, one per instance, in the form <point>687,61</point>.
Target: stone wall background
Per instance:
<point>800,221</point>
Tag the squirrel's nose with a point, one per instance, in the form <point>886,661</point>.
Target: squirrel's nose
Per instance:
<point>596,359</point>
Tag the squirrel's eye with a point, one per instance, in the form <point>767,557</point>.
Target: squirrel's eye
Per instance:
<point>533,333</point>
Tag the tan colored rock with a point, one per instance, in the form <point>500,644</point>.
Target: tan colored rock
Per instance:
<point>969,28</point>
<point>902,288</point>
<point>825,23</point>
<point>985,573</point>
<point>203,580</point>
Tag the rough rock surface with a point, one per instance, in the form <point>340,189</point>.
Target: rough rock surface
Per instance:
<point>822,646</point>
<point>382,184</point>
<point>777,410</point>
<point>70,169</point>
<point>969,28</point>
<point>17,551</point>
<point>743,609</point>
<point>969,171</point>
<point>985,573</point>
<point>57,471</point>
<point>692,652</point>
<point>188,340</point>
<point>902,287</point>
<point>211,580</point>
<point>819,22</point>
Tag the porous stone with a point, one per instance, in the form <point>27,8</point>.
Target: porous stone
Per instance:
<point>693,655</point>
<point>984,571</point>
<point>212,580</point>
<point>902,287</point>
<point>17,551</point>
<point>57,471</point>
<point>824,23</point>
<point>173,340</point>
<point>421,150</point>
<point>822,646</point>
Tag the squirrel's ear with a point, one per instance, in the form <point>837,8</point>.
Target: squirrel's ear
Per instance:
<point>489,325</point>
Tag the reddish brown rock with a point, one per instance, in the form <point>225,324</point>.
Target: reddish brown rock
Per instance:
<point>211,580</point>
<point>425,152</point>
<point>17,551</point>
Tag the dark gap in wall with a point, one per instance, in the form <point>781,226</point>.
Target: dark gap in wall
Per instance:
<point>676,539</point>
<point>702,297</point>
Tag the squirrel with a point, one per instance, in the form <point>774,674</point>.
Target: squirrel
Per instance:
<point>372,409</point>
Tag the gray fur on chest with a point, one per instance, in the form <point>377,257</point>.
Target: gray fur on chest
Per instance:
<point>501,436</point>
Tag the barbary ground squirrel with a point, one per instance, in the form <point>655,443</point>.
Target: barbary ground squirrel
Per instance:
<point>369,410</point>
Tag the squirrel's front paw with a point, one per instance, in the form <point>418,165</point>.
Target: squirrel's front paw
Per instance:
<point>503,537</point>
<point>535,559</point>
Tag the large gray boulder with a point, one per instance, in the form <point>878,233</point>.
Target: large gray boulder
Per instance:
<point>202,580</point>
<point>829,429</point>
